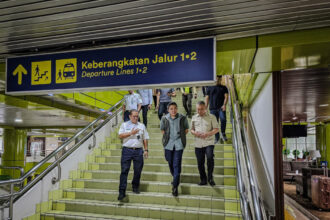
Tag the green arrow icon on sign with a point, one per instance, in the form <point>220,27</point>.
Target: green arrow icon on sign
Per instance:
<point>20,70</point>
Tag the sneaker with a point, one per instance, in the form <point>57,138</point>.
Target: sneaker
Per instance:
<point>175,191</point>
<point>121,196</point>
<point>211,182</point>
<point>224,137</point>
<point>202,183</point>
<point>136,190</point>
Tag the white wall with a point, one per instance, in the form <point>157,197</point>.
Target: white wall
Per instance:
<point>26,205</point>
<point>262,115</point>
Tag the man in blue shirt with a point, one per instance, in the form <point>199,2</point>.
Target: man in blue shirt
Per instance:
<point>174,127</point>
<point>146,96</point>
<point>164,97</point>
<point>217,98</point>
<point>132,101</point>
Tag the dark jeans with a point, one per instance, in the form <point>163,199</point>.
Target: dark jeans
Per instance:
<point>186,100</point>
<point>200,155</point>
<point>145,114</point>
<point>126,116</point>
<point>127,155</point>
<point>162,109</point>
<point>155,100</point>
<point>222,115</point>
<point>174,159</point>
<point>204,88</point>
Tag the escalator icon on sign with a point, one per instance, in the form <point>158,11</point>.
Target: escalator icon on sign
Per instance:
<point>66,70</point>
<point>41,72</point>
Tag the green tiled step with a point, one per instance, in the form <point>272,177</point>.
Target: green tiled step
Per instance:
<point>221,170</point>
<point>160,152</point>
<point>65,215</point>
<point>155,198</point>
<point>154,123</point>
<point>161,160</point>
<point>218,147</point>
<point>157,176</point>
<point>156,134</point>
<point>143,210</point>
<point>219,191</point>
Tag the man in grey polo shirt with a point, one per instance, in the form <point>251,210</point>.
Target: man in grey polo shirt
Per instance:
<point>135,137</point>
<point>204,126</point>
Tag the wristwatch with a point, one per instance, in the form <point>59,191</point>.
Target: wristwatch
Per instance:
<point>146,150</point>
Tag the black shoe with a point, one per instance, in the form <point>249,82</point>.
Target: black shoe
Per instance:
<point>211,182</point>
<point>202,183</point>
<point>175,191</point>
<point>121,196</point>
<point>224,137</point>
<point>136,190</point>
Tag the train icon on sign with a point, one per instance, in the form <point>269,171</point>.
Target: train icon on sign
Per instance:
<point>69,71</point>
<point>66,70</point>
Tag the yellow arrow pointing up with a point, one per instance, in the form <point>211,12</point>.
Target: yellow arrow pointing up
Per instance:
<point>20,70</point>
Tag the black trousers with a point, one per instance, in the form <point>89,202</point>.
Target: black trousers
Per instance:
<point>145,114</point>
<point>186,101</point>
<point>200,155</point>
<point>127,156</point>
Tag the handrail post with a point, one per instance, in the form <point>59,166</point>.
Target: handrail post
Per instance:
<point>59,173</point>
<point>11,208</point>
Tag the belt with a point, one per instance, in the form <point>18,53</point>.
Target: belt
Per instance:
<point>134,148</point>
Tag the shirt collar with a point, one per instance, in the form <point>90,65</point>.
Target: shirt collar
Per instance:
<point>168,116</point>
<point>206,114</point>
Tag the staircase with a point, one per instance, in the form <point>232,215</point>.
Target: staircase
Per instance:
<point>92,190</point>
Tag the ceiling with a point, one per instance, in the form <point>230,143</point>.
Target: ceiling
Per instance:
<point>306,95</point>
<point>37,25</point>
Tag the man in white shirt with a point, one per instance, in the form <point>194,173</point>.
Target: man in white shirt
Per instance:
<point>132,101</point>
<point>204,126</point>
<point>146,96</point>
<point>135,147</point>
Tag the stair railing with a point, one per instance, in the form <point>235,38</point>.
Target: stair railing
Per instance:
<point>80,137</point>
<point>251,205</point>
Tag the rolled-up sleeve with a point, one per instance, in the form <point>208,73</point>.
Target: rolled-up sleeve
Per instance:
<point>214,122</point>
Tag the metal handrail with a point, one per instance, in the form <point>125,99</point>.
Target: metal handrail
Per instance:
<point>12,182</point>
<point>240,138</point>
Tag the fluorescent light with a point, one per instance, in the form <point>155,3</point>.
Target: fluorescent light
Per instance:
<point>19,120</point>
<point>324,105</point>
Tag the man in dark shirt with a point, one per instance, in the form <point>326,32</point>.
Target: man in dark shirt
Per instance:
<point>217,97</point>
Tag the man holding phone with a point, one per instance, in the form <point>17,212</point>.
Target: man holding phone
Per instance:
<point>135,147</point>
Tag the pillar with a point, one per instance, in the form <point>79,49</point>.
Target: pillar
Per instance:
<point>14,142</point>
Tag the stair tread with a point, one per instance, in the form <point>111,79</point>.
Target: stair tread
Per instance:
<point>145,205</point>
<point>91,215</point>
<point>164,165</point>
<point>162,157</point>
<point>185,151</point>
<point>157,182</point>
<point>151,194</point>
<point>158,173</point>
